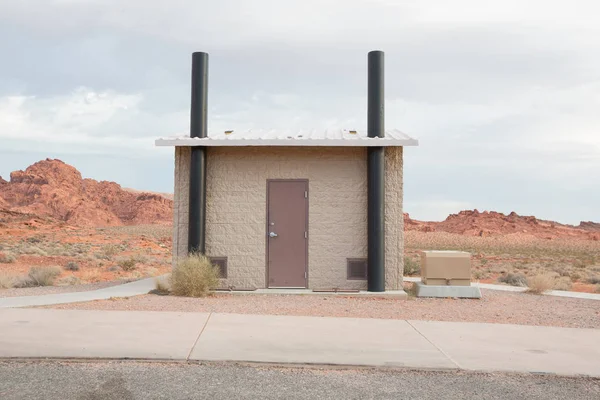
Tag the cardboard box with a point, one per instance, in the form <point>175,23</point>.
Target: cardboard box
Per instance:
<point>446,268</point>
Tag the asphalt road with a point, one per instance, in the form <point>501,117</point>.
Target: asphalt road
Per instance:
<point>135,380</point>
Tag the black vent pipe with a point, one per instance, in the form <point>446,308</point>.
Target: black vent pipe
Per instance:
<point>376,174</point>
<point>198,129</point>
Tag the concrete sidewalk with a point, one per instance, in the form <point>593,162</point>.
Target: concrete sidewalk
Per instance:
<point>37,333</point>
<point>135,288</point>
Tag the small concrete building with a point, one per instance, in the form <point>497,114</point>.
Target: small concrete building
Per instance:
<point>291,209</point>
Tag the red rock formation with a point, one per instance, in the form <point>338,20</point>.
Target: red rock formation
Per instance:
<point>589,226</point>
<point>475,223</point>
<point>53,188</point>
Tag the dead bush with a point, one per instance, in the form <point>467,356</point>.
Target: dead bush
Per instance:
<point>162,285</point>
<point>23,281</point>
<point>194,276</point>
<point>69,281</point>
<point>513,279</point>
<point>43,276</point>
<point>538,284</point>
<point>6,281</point>
<point>127,264</point>
<point>564,283</point>
<point>411,267</point>
<point>7,258</point>
<point>72,266</point>
<point>594,279</point>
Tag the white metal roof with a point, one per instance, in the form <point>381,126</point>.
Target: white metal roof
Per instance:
<point>259,137</point>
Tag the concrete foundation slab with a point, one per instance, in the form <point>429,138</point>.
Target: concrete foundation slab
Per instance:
<point>98,334</point>
<point>516,348</point>
<point>388,294</point>
<point>316,340</point>
<point>466,292</point>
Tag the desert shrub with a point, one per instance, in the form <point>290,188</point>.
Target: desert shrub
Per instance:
<point>162,285</point>
<point>6,281</point>
<point>594,279</point>
<point>91,276</point>
<point>72,266</point>
<point>194,276</point>
<point>575,277</point>
<point>477,274</point>
<point>24,281</point>
<point>43,276</point>
<point>140,259</point>
<point>69,281</point>
<point>411,267</point>
<point>127,264</point>
<point>564,283</point>
<point>33,250</point>
<point>538,284</point>
<point>7,258</point>
<point>513,279</point>
<point>108,252</point>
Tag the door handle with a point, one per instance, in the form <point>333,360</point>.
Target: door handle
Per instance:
<point>272,234</point>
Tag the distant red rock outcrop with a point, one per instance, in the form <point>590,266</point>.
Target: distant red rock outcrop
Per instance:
<point>491,223</point>
<point>51,188</point>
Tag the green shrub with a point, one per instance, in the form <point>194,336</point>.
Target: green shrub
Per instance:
<point>194,276</point>
<point>513,279</point>
<point>411,267</point>
<point>127,264</point>
<point>43,276</point>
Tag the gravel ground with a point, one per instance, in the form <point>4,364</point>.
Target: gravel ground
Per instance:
<point>494,307</point>
<point>42,290</point>
<point>129,380</point>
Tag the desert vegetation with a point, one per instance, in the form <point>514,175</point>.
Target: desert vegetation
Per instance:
<point>573,264</point>
<point>194,276</point>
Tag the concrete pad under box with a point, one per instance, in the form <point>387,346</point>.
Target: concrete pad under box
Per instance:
<point>465,292</point>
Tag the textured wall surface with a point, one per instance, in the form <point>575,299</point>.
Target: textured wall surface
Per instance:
<point>236,210</point>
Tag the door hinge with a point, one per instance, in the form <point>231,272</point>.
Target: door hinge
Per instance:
<point>305,274</point>
<point>305,235</point>
<point>306,194</point>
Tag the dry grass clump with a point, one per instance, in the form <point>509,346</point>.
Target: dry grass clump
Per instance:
<point>72,266</point>
<point>127,264</point>
<point>563,283</point>
<point>538,284</point>
<point>6,281</point>
<point>68,281</point>
<point>43,276</point>
<point>7,258</point>
<point>513,279</point>
<point>194,276</point>
<point>594,279</point>
<point>91,276</point>
<point>162,285</point>
<point>411,267</point>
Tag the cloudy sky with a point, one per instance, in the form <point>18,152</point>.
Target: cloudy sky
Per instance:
<point>504,96</point>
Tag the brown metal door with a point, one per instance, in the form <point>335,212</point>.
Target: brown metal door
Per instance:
<point>287,231</point>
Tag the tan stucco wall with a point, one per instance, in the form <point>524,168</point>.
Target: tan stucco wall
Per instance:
<point>236,210</point>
